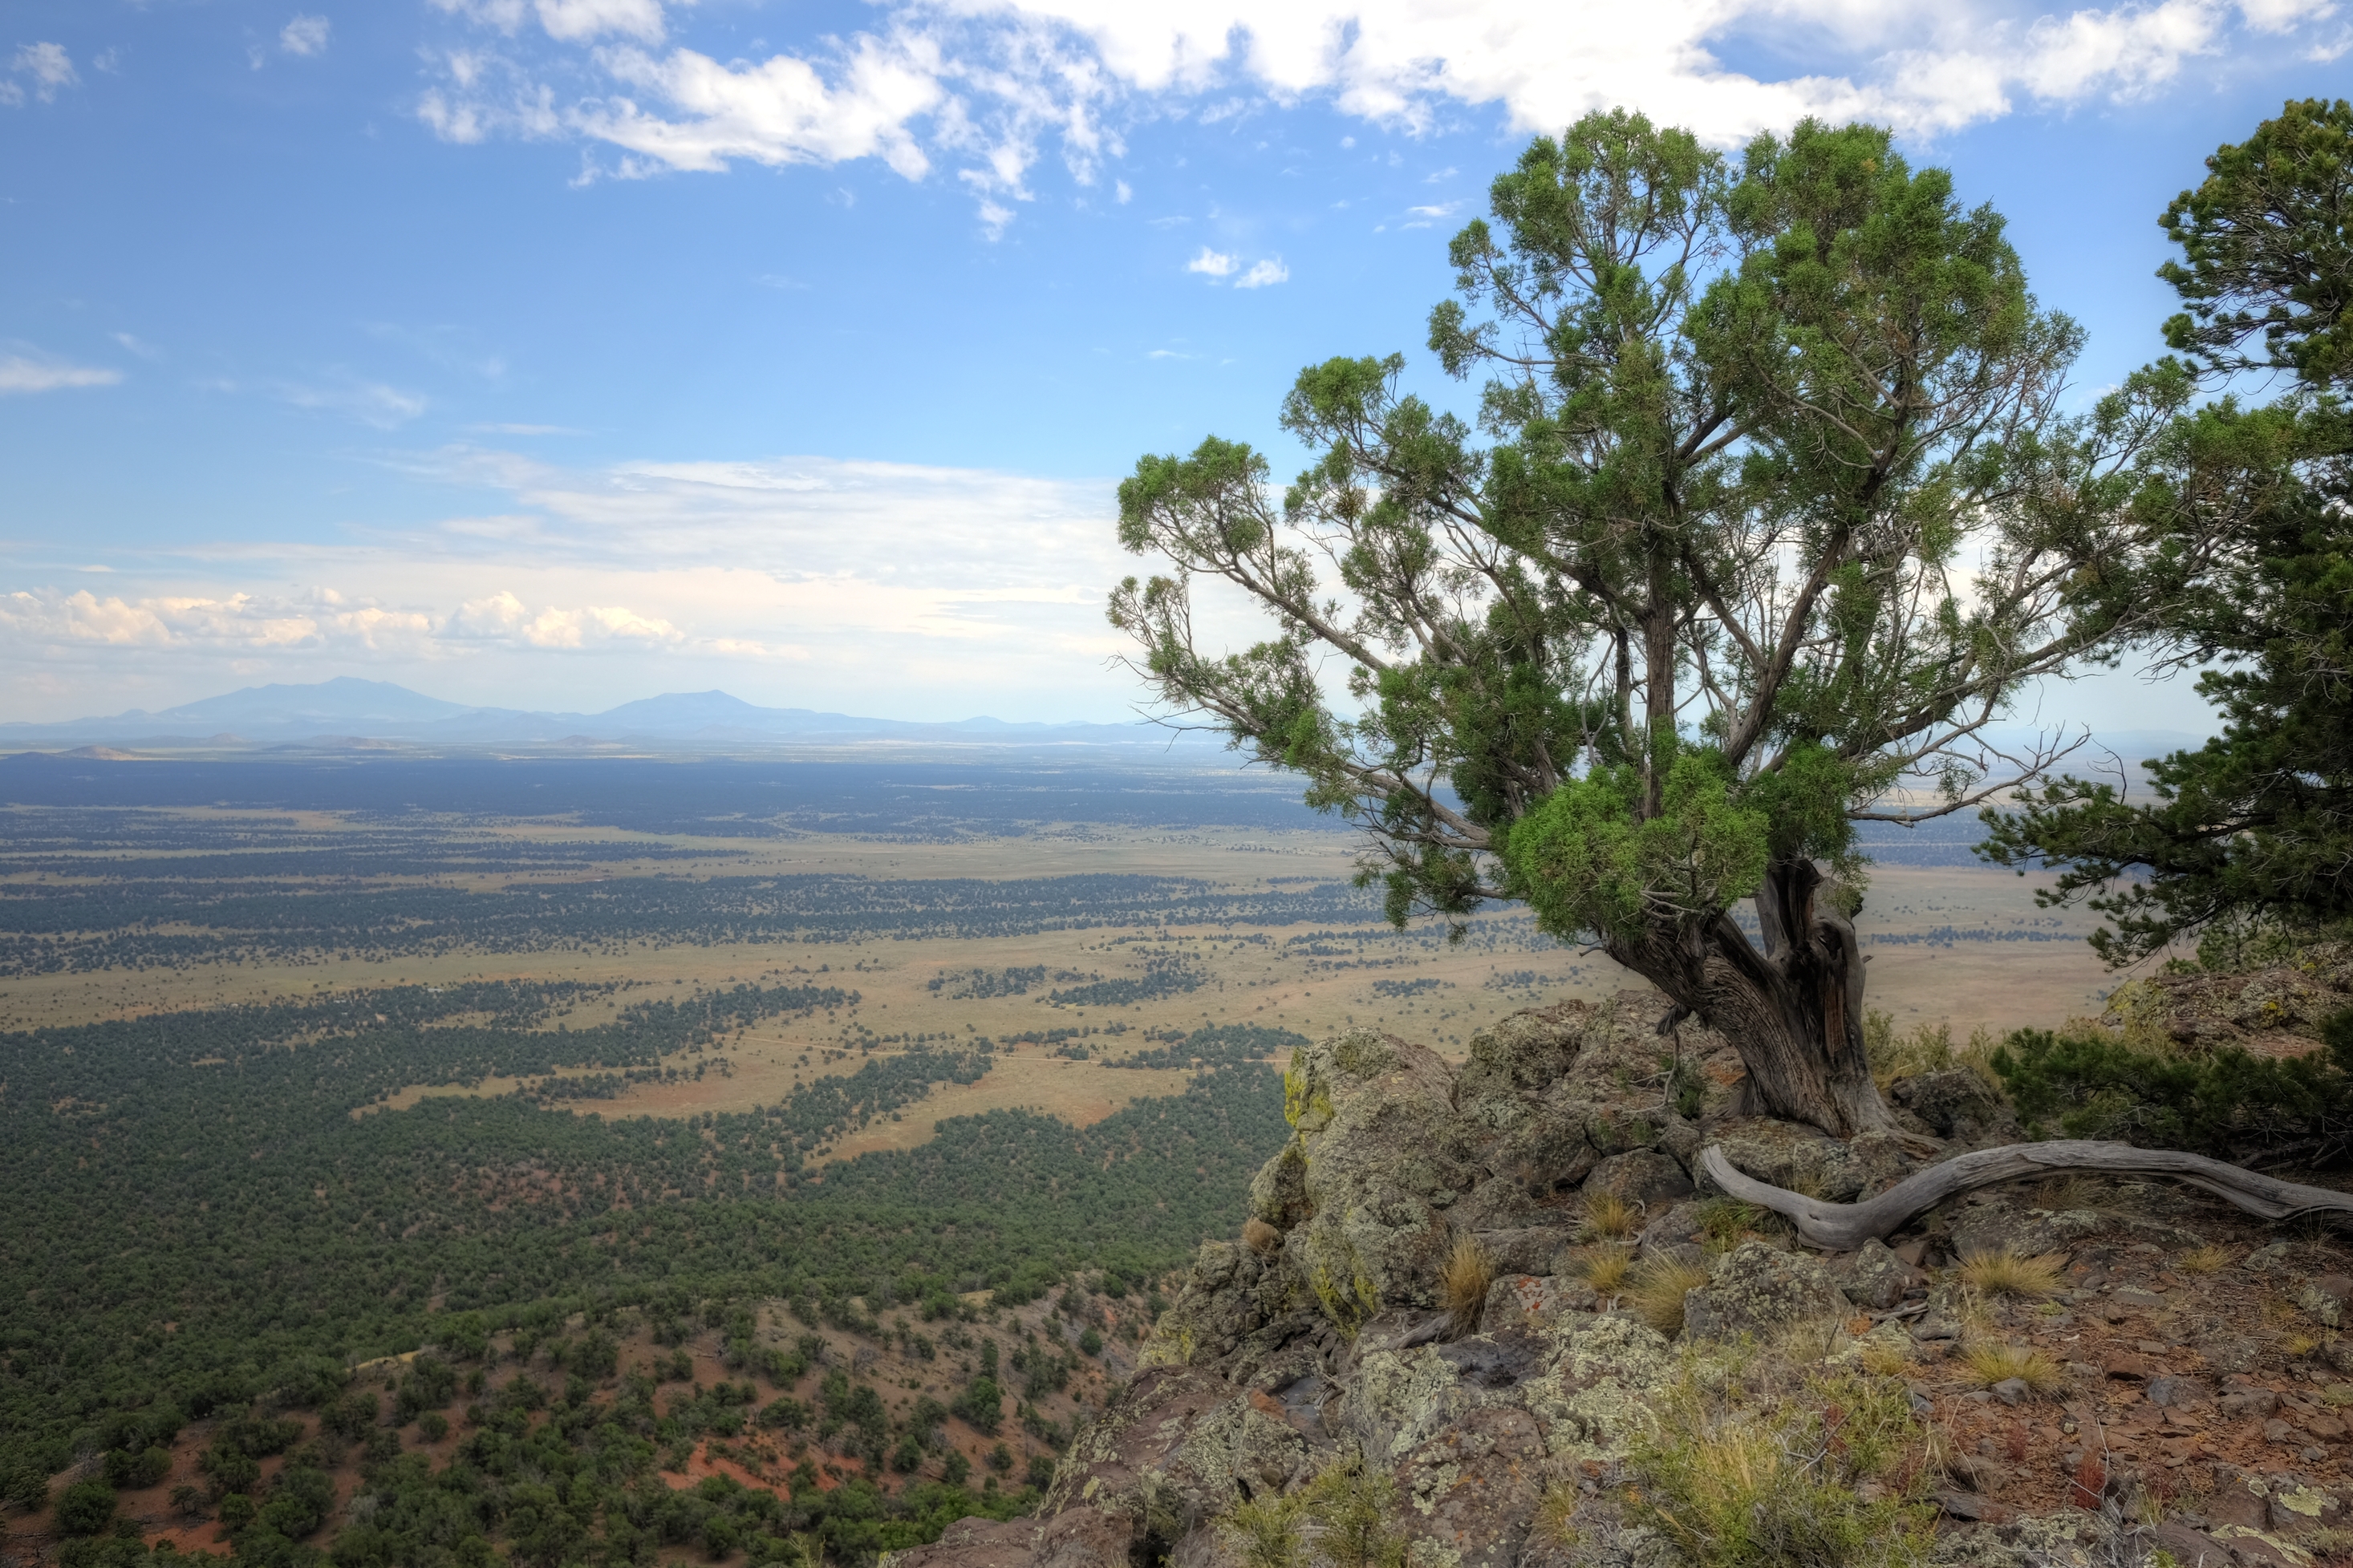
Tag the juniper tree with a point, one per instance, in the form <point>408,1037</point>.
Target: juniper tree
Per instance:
<point>1767,512</point>
<point>2251,834</point>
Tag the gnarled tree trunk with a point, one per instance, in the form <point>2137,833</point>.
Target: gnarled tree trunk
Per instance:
<point>1793,1007</point>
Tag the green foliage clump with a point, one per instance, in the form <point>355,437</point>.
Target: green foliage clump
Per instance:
<point>2084,1082</point>
<point>1588,863</point>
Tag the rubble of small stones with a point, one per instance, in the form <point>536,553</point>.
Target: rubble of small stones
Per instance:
<point>2205,1401</point>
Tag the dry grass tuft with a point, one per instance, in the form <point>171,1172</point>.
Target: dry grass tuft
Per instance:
<point>1990,1362</point>
<point>1556,1514</point>
<point>1883,1358</point>
<point>1465,1279</point>
<point>1656,1290</point>
<point>1608,1217</point>
<point>1605,1268</point>
<point>2208,1259</point>
<point>2005,1273</point>
<point>1261,1238</point>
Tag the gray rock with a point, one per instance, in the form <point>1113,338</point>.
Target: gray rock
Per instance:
<point>1499,1202</point>
<point>1643,1177</point>
<point>1528,1300</point>
<point>1383,1148</point>
<point>2173,1392</point>
<point>1471,1492</point>
<point>1675,1225</point>
<point>1958,1104</point>
<point>2012,1390</point>
<point>1516,1062</point>
<point>1872,1276</point>
<point>1527,1250</point>
<point>1755,1288</point>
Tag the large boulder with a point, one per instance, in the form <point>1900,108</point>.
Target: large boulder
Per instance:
<point>1956,1104</point>
<point>1755,1288</point>
<point>1230,1294</point>
<point>1643,1177</point>
<point>1381,1151</point>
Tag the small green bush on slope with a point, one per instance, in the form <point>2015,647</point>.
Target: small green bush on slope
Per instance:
<point>2081,1082</point>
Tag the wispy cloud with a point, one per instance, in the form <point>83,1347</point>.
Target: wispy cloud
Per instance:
<point>1213,263</point>
<point>304,35</point>
<point>371,403</point>
<point>1263,274</point>
<point>31,371</point>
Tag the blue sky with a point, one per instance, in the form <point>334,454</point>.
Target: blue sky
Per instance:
<point>556,352</point>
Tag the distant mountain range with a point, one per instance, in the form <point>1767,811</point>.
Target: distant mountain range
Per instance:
<point>349,712</point>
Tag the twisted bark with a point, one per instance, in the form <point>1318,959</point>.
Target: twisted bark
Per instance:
<point>1842,1227</point>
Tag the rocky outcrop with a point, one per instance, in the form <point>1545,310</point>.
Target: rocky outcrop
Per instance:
<point>1513,1435</point>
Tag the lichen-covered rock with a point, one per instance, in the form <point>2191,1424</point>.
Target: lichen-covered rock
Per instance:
<point>1279,1192</point>
<point>1643,1177</point>
<point>1958,1104</point>
<point>1229,1294</point>
<point>1535,1301</point>
<point>1468,1495</point>
<point>1382,1150</point>
<point>1499,1202</point>
<point>972,1543</point>
<point>1678,1225</point>
<point>1527,1250</point>
<point>1990,1222</point>
<point>1757,1288</point>
<point>1872,1276</point>
<point>1179,1442</point>
<point>1516,1062</point>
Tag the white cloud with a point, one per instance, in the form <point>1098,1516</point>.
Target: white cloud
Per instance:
<point>1264,273</point>
<point>304,35</point>
<point>1212,263</point>
<point>985,85</point>
<point>49,66</point>
<point>41,373</point>
<point>1121,191</point>
<point>864,587</point>
<point>371,403</point>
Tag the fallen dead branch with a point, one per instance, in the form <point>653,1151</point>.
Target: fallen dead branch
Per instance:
<point>1842,1227</point>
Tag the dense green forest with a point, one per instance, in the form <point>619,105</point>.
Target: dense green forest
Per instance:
<point>202,1212</point>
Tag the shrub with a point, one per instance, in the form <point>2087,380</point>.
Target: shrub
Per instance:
<point>86,1508</point>
<point>1268,1531</point>
<point>2004,1272</point>
<point>1260,1236</point>
<point>2206,1259</point>
<point>2223,1102</point>
<point>1464,1281</point>
<point>1353,1504</point>
<point>134,1471</point>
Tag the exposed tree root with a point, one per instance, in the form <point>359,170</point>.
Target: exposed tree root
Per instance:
<point>1842,1227</point>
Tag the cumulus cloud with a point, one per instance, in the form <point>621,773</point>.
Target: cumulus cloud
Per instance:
<point>868,588</point>
<point>304,35</point>
<point>45,67</point>
<point>1264,273</point>
<point>34,372</point>
<point>987,85</point>
<point>1213,263</point>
